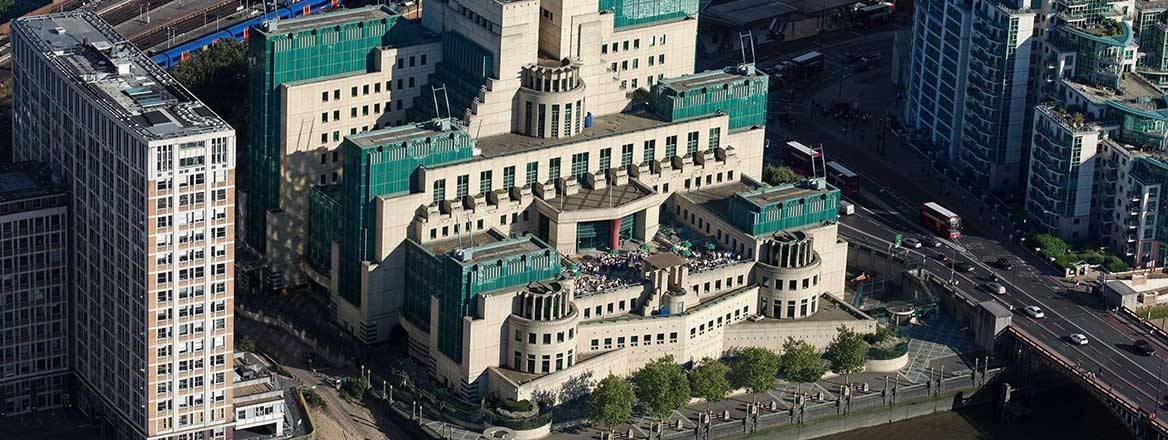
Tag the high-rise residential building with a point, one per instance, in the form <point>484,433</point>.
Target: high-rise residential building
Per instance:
<point>150,174</point>
<point>999,95</point>
<point>1103,130</point>
<point>969,84</point>
<point>1062,172</point>
<point>937,65</point>
<point>34,326</point>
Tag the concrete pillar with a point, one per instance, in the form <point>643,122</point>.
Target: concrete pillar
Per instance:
<point>614,233</point>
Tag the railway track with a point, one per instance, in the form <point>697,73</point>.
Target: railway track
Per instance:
<point>183,25</point>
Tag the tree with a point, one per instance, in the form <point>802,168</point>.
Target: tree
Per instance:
<point>245,344</point>
<point>355,387</point>
<point>801,362</point>
<point>773,175</point>
<point>755,369</point>
<point>611,403</point>
<point>216,76</point>
<point>661,386</point>
<point>708,381</point>
<point>6,9</point>
<point>847,352</point>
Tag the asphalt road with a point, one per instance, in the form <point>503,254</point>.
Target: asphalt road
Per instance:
<point>897,178</point>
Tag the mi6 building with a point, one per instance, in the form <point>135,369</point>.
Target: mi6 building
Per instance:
<point>533,191</point>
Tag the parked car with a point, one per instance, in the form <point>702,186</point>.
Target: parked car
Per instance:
<point>1034,312</point>
<point>1003,263</point>
<point>1143,347</point>
<point>911,243</point>
<point>1078,339</point>
<point>995,288</point>
<point>963,267</point>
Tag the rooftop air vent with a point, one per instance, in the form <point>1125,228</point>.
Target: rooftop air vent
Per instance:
<point>58,30</point>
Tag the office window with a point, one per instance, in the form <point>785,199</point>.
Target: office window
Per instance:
<point>605,158</point>
<point>423,60</point>
<point>555,120</point>
<point>691,143</point>
<point>715,138</point>
<point>324,117</point>
<point>484,182</point>
<point>660,60</point>
<point>554,168</point>
<point>508,177</point>
<point>324,96</point>
<point>579,165</point>
<point>626,155</point>
<point>527,118</point>
<point>650,150</point>
<point>365,89</point>
<point>412,60</point>
<point>532,173</point>
<point>462,186</point>
<point>439,190</point>
<point>540,120</point>
<point>670,147</point>
<point>353,91</point>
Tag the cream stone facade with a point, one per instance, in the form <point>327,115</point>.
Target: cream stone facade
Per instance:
<point>478,230</point>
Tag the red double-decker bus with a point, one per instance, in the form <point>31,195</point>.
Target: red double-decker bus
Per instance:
<point>802,159</point>
<point>847,181</point>
<point>941,221</point>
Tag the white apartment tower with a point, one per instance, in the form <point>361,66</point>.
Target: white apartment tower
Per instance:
<point>150,171</point>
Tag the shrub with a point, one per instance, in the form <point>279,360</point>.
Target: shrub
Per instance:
<point>515,406</point>
<point>313,398</point>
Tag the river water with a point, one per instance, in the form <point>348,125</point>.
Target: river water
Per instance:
<point>1063,414</point>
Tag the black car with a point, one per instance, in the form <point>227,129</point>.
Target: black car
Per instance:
<point>963,267</point>
<point>930,241</point>
<point>1143,347</point>
<point>1003,263</point>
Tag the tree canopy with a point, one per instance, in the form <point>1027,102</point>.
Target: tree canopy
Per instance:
<point>218,76</point>
<point>611,403</point>
<point>755,369</point>
<point>847,352</point>
<point>801,361</point>
<point>662,387</point>
<point>773,175</point>
<point>708,380</point>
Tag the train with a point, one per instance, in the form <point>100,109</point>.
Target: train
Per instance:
<point>239,31</point>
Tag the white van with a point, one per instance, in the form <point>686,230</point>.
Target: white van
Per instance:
<point>846,208</point>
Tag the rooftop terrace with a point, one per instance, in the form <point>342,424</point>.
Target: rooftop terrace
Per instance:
<point>25,180</point>
<point>716,199</point>
<point>602,126</point>
<point>1134,92</point>
<point>403,133</point>
<point>483,246</point>
<point>609,197</point>
<point>117,76</point>
<point>332,18</point>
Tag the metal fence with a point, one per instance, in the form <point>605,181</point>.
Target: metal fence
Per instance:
<point>811,412</point>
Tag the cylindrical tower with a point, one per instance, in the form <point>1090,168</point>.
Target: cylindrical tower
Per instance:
<point>551,99</point>
<point>543,329</point>
<point>788,276</point>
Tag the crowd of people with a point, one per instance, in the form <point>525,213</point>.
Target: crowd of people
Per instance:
<point>607,271</point>
<point>600,272</point>
<point>700,261</point>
